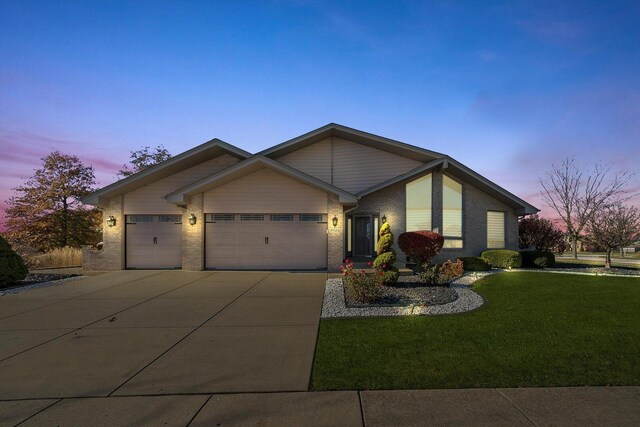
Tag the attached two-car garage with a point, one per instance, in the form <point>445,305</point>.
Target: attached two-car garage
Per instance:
<point>265,220</point>
<point>266,241</point>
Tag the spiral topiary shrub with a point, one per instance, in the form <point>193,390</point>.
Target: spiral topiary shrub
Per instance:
<point>420,246</point>
<point>386,256</point>
<point>12,268</point>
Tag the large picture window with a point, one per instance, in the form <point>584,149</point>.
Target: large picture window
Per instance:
<point>495,230</point>
<point>451,212</point>
<point>418,204</point>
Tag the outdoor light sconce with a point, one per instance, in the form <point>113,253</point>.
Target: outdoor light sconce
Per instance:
<point>111,221</point>
<point>335,221</point>
<point>192,219</point>
<point>384,219</point>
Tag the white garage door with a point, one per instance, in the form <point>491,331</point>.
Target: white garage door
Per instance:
<point>154,241</point>
<point>266,241</point>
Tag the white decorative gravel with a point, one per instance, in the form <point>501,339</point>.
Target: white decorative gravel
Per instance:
<point>17,289</point>
<point>334,304</point>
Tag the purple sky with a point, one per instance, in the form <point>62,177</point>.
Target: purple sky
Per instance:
<point>506,89</point>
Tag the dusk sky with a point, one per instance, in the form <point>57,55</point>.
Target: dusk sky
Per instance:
<point>505,88</point>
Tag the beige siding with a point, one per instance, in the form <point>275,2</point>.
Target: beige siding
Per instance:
<point>357,167</point>
<point>150,198</point>
<point>314,160</point>
<point>265,191</point>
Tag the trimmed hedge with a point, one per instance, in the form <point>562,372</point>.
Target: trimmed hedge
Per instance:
<point>502,258</point>
<point>538,259</point>
<point>475,263</point>
<point>12,268</point>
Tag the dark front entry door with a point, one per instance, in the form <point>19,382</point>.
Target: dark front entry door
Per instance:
<point>362,236</point>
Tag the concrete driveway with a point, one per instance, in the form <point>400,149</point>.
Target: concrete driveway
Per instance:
<point>146,334</point>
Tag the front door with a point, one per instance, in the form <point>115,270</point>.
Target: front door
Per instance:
<point>362,236</point>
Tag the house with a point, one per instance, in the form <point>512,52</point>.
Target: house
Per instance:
<point>307,203</point>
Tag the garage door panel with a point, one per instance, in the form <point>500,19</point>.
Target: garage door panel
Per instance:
<point>153,241</point>
<point>291,243</point>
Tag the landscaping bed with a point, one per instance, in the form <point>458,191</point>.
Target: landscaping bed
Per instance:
<point>408,291</point>
<point>537,330</point>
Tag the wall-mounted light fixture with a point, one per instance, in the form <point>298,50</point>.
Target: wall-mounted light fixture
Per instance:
<point>111,221</point>
<point>384,219</point>
<point>192,219</point>
<point>335,221</point>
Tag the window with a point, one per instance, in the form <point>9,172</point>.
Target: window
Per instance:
<point>349,237</point>
<point>495,230</point>
<point>311,217</point>
<point>451,212</point>
<point>418,198</point>
<point>215,217</point>
<point>281,217</point>
<point>134,219</point>
<point>177,219</point>
<point>251,217</point>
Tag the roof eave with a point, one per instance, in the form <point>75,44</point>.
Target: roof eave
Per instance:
<point>181,196</point>
<point>101,196</point>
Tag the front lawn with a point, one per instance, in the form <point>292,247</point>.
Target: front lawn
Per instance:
<point>536,329</point>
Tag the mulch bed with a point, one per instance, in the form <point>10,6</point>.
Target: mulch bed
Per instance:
<point>408,291</point>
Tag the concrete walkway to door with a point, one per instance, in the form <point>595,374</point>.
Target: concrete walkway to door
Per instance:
<point>223,348</point>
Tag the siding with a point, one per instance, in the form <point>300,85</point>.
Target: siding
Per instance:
<point>357,167</point>
<point>314,160</point>
<point>265,191</point>
<point>150,198</point>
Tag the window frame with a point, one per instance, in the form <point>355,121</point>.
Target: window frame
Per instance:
<point>504,228</point>
<point>460,238</point>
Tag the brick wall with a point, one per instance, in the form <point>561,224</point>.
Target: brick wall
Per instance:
<point>335,235</point>
<point>193,235</point>
<point>111,257</point>
<point>391,202</point>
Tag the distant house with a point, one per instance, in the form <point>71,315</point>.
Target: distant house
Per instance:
<point>307,203</point>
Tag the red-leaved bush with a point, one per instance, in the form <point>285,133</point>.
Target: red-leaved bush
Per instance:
<point>421,246</point>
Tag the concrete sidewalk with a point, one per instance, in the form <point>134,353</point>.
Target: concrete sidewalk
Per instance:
<point>579,406</point>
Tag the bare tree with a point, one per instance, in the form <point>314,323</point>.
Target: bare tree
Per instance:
<point>614,226</point>
<point>576,195</point>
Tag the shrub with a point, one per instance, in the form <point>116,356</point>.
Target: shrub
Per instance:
<point>538,259</point>
<point>475,263</point>
<point>386,257</point>
<point>441,274</point>
<point>541,234</point>
<point>420,246</point>
<point>360,286</point>
<point>502,258</point>
<point>12,268</point>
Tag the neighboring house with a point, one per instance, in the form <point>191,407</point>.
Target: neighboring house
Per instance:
<point>307,203</point>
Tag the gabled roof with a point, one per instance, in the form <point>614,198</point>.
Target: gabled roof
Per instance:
<point>456,168</point>
<point>246,167</point>
<point>344,132</point>
<point>182,161</point>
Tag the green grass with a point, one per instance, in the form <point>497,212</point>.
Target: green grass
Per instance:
<point>535,329</point>
<point>570,263</point>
